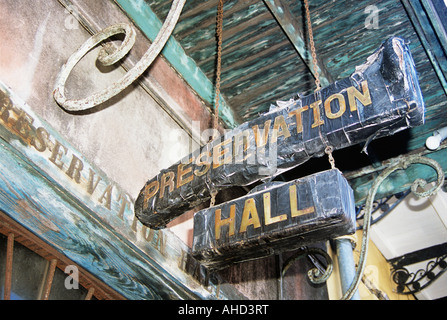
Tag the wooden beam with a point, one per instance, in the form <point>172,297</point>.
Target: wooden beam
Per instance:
<point>281,12</point>
<point>34,243</point>
<point>8,269</point>
<point>49,276</point>
<point>143,17</point>
<point>429,38</point>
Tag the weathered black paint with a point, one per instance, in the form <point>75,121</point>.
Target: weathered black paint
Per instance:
<point>323,209</point>
<point>396,104</point>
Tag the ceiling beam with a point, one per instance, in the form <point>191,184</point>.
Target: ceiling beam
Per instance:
<point>148,22</point>
<point>281,12</point>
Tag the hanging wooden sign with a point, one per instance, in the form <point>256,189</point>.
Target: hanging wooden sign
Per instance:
<point>278,218</point>
<point>380,98</point>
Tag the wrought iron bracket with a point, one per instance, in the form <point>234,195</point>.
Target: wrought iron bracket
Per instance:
<point>105,58</point>
<point>316,275</point>
<point>402,164</point>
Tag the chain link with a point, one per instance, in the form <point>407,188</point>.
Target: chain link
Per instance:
<point>219,60</point>
<point>213,198</point>
<point>312,47</point>
<point>328,151</point>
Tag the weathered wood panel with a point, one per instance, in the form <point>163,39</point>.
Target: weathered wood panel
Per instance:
<point>51,189</point>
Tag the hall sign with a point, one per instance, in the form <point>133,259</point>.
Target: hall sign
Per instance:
<point>277,217</point>
<point>380,98</point>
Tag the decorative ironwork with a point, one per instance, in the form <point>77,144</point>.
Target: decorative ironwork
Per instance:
<point>402,164</point>
<point>106,58</point>
<point>413,282</point>
<point>318,274</point>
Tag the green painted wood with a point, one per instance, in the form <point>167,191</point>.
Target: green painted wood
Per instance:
<point>142,15</point>
<point>294,32</point>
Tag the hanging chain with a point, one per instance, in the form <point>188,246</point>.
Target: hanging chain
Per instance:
<point>328,149</point>
<point>312,47</point>
<point>213,197</point>
<point>219,62</point>
<point>219,57</point>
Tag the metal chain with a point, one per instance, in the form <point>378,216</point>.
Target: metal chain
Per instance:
<point>219,58</point>
<point>218,71</point>
<point>328,149</point>
<point>312,46</point>
<point>213,197</point>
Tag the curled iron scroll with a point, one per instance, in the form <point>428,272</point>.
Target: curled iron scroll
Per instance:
<point>402,164</point>
<point>109,59</point>
<point>315,275</point>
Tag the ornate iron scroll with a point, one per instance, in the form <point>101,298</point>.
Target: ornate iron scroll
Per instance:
<point>108,59</point>
<point>315,275</point>
<point>421,279</point>
<point>402,164</point>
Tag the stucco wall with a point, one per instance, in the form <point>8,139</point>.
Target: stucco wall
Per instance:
<point>131,139</point>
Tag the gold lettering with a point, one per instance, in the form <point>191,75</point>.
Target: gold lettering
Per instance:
<point>299,120</point>
<point>38,142</point>
<point>23,124</point>
<point>225,152</point>
<point>91,184</point>
<point>279,123</point>
<point>205,163</point>
<point>134,224</point>
<point>341,103</point>
<point>167,180</point>
<point>249,215</point>
<point>219,222</point>
<point>75,168</point>
<point>181,172</point>
<point>6,107</point>
<point>57,154</point>
<point>267,211</point>
<point>317,116</point>
<point>147,233</point>
<point>364,98</point>
<point>124,202</point>
<point>150,190</point>
<point>107,194</point>
<point>160,243</point>
<point>261,140</point>
<point>294,212</point>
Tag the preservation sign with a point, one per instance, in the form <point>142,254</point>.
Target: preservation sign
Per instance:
<point>380,98</point>
<point>278,218</point>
